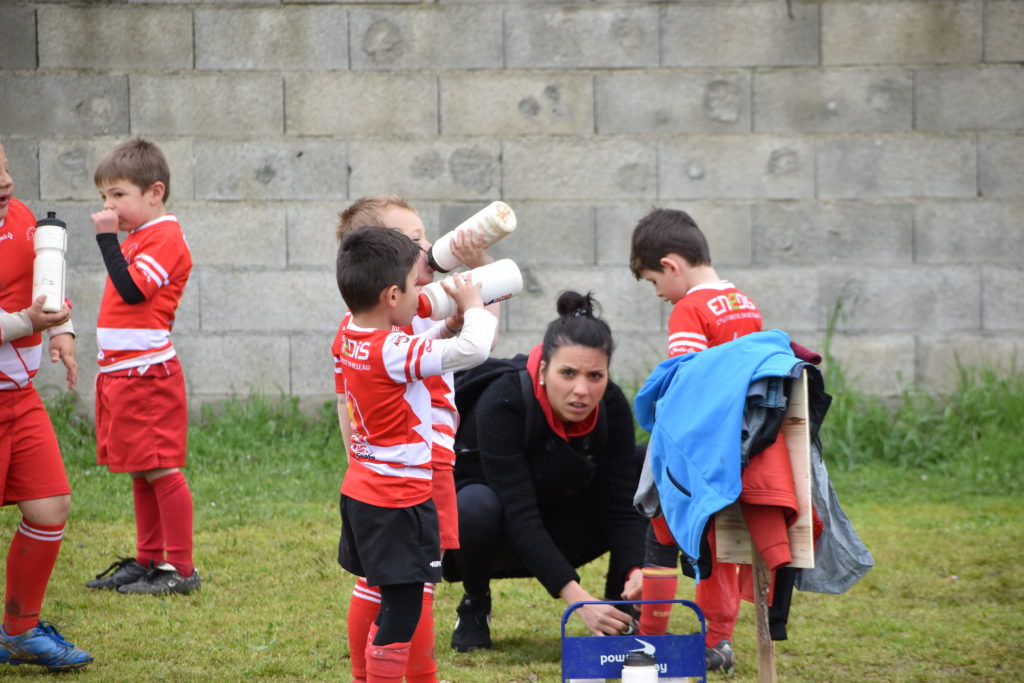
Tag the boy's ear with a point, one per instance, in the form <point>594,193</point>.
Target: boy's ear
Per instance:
<point>156,192</point>
<point>389,296</point>
<point>670,265</point>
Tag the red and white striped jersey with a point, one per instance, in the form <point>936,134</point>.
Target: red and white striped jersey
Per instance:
<point>389,454</point>
<point>19,358</point>
<point>134,335</point>
<point>444,416</point>
<point>709,315</point>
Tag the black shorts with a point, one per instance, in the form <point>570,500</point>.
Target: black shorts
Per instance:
<point>390,545</point>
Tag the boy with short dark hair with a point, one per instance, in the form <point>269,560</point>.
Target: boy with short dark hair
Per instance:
<point>389,523</point>
<point>32,472</point>
<point>139,368</point>
<point>669,251</point>
<point>393,212</point>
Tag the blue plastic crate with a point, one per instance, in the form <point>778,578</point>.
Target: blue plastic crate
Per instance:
<point>678,655</point>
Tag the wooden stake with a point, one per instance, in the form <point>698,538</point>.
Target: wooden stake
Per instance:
<point>765,645</point>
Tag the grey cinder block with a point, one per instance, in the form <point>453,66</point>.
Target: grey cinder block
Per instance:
<point>207,104</point>
<point>444,169</point>
<point>267,170</point>
<point>940,357</point>
<point>787,296</point>
<point>962,232</point>
<point>970,98</point>
<point>384,104</point>
<point>215,233</point>
<point>833,100</point>
<point>453,37</point>
<point>1004,31</point>
<point>736,167</point>
<point>571,37</point>
<point>267,301</point>
<point>224,365</point>
<point>42,105</point>
<point>509,104</point>
<point>1003,300</point>
<point>553,169</point>
<point>901,32</point>
<point>672,102</point>
<point>313,38</point>
<point>740,34</point>
<point>121,38</point>
<point>1001,166</point>
<point>822,233</point>
<point>23,165</point>
<point>921,300</point>
<point>17,37</point>
<point>896,166</point>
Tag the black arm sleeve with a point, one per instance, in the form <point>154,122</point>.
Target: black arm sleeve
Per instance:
<point>117,268</point>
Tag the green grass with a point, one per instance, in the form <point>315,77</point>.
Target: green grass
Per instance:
<point>942,603</point>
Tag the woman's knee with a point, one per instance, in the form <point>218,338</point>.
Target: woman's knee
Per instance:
<point>479,515</point>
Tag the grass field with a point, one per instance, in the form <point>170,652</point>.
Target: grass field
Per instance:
<point>943,602</point>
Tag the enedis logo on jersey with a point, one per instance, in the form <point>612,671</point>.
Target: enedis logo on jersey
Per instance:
<point>733,301</point>
<point>356,350</point>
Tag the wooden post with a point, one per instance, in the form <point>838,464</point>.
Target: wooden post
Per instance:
<point>765,646</point>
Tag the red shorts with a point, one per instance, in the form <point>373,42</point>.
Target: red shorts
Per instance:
<point>141,420</point>
<point>30,463</point>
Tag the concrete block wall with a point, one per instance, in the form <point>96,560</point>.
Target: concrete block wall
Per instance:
<point>863,151</point>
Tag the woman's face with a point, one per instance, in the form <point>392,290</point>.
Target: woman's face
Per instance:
<point>575,379</point>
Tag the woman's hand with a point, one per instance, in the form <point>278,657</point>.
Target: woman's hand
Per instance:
<point>634,585</point>
<point>601,620</point>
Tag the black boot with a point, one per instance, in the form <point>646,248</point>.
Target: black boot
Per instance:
<point>472,627</point>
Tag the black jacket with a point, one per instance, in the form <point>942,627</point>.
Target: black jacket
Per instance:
<point>593,477</point>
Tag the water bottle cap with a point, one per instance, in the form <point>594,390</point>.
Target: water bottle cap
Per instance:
<point>639,659</point>
<point>51,219</point>
<point>424,307</point>
<point>434,264</point>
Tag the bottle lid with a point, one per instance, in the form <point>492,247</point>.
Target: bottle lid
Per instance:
<point>424,308</point>
<point>51,219</point>
<point>639,659</point>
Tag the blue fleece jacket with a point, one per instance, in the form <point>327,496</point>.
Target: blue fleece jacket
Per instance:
<point>693,407</point>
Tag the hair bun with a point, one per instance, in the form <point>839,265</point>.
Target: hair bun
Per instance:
<point>574,304</point>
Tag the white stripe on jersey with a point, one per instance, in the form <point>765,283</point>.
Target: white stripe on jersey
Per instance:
<point>18,364</point>
<point>152,269</point>
<point>389,471</point>
<point>696,336</point>
<point>131,339</point>
<point>445,441</point>
<point>40,534</point>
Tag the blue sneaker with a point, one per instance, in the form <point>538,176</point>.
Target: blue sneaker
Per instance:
<point>42,645</point>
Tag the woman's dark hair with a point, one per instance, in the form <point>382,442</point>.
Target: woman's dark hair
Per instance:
<point>577,324</point>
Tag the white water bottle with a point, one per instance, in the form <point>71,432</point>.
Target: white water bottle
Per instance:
<point>498,281</point>
<point>492,222</point>
<point>639,667</point>
<point>50,269</point>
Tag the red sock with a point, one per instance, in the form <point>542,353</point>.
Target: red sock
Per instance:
<point>176,517</point>
<point>149,533</point>
<point>422,667</point>
<point>362,610</point>
<point>30,561</point>
<point>659,583</point>
<point>386,663</point>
